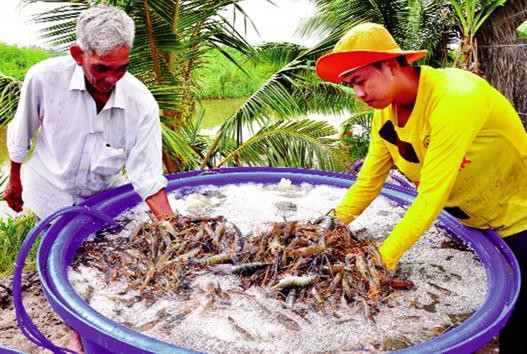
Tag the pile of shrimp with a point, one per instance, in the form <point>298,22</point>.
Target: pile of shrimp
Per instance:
<point>319,262</point>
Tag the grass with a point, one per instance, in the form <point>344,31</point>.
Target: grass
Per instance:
<point>13,231</point>
<point>220,78</point>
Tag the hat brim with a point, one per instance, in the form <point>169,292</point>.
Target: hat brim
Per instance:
<point>331,65</point>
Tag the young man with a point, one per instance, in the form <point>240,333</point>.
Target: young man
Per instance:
<point>93,119</point>
<point>457,138</point>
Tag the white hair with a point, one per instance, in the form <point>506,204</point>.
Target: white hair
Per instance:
<point>103,28</point>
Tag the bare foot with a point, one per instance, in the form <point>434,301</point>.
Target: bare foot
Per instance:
<point>74,342</point>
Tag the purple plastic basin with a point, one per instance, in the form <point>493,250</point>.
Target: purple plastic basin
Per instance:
<point>101,335</point>
<point>5,350</point>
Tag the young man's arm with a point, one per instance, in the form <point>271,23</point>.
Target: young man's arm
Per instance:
<point>370,179</point>
<point>454,122</point>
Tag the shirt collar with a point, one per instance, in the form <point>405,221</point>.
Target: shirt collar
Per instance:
<point>116,99</point>
<point>77,79</point>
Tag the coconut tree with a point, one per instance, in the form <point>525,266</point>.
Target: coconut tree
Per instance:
<point>295,91</point>
<point>291,92</point>
<point>470,15</point>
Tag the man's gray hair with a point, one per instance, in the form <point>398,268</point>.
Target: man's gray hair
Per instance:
<point>103,28</point>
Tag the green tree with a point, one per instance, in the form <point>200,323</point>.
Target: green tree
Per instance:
<point>470,15</point>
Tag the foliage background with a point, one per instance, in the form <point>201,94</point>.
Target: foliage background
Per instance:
<point>222,79</point>
<point>14,61</point>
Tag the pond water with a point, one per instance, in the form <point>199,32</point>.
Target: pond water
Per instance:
<point>218,110</point>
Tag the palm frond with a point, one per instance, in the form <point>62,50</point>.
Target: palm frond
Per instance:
<point>327,98</point>
<point>58,24</point>
<point>153,35</point>
<point>198,142</point>
<point>167,97</point>
<point>303,143</point>
<point>337,16</point>
<point>278,53</point>
<point>192,129</point>
<point>4,177</point>
<point>363,119</point>
<point>427,28</point>
<point>9,96</point>
<point>177,147</point>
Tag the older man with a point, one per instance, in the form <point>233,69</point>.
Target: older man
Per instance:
<point>451,133</point>
<point>93,119</point>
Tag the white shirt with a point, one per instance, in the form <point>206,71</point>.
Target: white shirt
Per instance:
<point>78,152</point>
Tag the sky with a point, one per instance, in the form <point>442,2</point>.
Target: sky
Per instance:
<point>274,23</point>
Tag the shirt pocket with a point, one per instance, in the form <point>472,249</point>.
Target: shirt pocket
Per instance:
<point>108,162</point>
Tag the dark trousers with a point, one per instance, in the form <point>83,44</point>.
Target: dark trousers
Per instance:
<point>513,337</point>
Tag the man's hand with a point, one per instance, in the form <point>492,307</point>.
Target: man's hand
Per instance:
<point>13,190</point>
<point>159,205</point>
<point>390,256</point>
<point>343,214</point>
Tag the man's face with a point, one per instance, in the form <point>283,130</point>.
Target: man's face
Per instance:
<point>103,71</point>
<point>372,84</point>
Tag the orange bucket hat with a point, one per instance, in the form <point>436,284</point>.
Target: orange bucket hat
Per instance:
<point>361,45</point>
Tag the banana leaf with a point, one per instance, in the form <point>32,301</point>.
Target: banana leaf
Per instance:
<point>522,30</point>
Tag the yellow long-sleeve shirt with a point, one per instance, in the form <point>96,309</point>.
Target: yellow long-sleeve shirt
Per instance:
<point>464,147</point>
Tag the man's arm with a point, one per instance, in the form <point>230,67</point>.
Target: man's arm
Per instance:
<point>159,205</point>
<point>370,178</point>
<point>13,190</point>
<point>454,122</point>
<point>144,166</point>
<point>19,134</point>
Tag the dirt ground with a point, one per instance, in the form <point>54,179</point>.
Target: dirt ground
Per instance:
<point>50,324</point>
<point>39,311</point>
